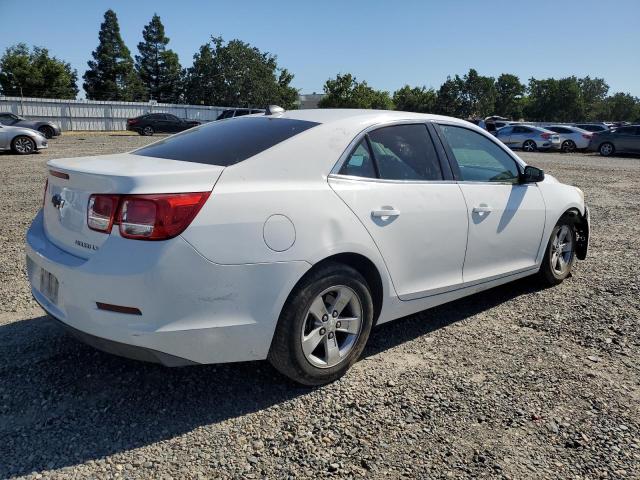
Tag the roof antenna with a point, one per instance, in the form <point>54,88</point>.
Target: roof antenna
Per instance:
<point>273,110</point>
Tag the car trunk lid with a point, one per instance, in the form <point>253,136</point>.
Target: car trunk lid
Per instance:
<point>72,181</point>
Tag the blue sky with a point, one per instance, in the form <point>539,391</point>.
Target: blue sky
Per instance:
<point>386,43</point>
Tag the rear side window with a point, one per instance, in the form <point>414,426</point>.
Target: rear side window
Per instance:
<point>405,152</point>
<point>360,162</point>
<point>226,142</point>
<point>478,158</point>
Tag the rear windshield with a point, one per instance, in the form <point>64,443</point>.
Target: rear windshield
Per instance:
<point>226,142</point>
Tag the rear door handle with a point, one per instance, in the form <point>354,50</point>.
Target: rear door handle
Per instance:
<point>482,209</point>
<point>385,212</point>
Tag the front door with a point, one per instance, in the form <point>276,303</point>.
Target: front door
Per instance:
<point>506,218</point>
<point>393,182</point>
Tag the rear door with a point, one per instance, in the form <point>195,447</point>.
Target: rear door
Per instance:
<point>506,218</point>
<point>174,124</point>
<point>394,181</point>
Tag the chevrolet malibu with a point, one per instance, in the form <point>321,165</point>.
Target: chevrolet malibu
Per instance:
<point>288,235</point>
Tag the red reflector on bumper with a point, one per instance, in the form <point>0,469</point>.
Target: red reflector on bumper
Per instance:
<point>118,308</point>
<point>53,173</point>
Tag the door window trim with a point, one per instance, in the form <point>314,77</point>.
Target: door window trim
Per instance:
<point>452,159</point>
<point>445,167</point>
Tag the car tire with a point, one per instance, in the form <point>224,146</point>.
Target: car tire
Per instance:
<point>148,131</point>
<point>529,146</point>
<point>46,131</point>
<point>606,149</point>
<point>23,145</point>
<point>568,146</point>
<point>560,256</point>
<point>313,346</point>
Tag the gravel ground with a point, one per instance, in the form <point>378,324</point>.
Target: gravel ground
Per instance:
<point>516,382</point>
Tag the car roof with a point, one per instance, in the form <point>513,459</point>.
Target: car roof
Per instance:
<point>331,115</point>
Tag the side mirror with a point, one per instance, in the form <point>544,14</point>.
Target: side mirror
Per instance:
<point>532,175</point>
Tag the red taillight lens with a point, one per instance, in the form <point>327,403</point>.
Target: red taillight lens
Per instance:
<point>101,212</point>
<point>131,121</point>
<point>587,136</point>
<point>546,136</point>
<point>158,217</point>
<point>44,195</point>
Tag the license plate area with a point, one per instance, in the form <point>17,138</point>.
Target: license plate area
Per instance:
<point>49,286</point>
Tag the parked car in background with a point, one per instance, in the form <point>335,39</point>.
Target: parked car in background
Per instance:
<point>571,138</point>
<point>592,127</point>
<point>159,123</point>
<point>48,129</point>
<point>617,140</point>
<point>219,245</point>
<point>238,112</point>
<point>21,140</point>
<point>528,138</point>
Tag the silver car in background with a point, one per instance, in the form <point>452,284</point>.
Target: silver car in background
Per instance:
<point>21,140</point>
<point>571,138</point>
<point>528,138</point>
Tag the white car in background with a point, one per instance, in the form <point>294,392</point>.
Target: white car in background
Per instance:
<point>287,236</point>
<point>571,138</point>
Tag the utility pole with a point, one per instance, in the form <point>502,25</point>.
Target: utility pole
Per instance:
<point>21,103</point>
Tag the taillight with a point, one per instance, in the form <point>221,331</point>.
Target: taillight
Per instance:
<point>44,195</point>
<point>546,136</point>
<point>158,217</point>
<point>101,212</point>
<point>587,136</point>
<point>131,121</point>
<point>145,217</point>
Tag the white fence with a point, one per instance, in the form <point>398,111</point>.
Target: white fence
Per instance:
<point>96,115</point>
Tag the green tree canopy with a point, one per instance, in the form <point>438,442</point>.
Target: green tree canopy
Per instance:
<point>36,74</point>
<point>619,107</point>
<point>478,95</point>
<point>416,99</point>
<point>158,67</point>
<point>451,98</point>
<point>554,100</point>
<point>346,92</point>
<point>509,96</point>
<point>236,74</point>
<point>111,74</point>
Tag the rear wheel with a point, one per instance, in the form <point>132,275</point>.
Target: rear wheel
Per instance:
<point>148,130</point>
<point>23,145</point>
<point>529,146</point>
<point>324,326</point>
<point>606,149</point>
<point>568,146</point>
<point>560,256</point>
<point>46,131</point>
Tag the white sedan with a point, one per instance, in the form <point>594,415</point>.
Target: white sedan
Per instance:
<point>571,138</point>
<point>288,235</point>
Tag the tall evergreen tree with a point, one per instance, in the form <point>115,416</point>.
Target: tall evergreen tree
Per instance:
<point>158,67</point>
<point>111,74</point>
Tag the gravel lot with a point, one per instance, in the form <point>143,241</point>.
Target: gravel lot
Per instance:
<point>516,382</point>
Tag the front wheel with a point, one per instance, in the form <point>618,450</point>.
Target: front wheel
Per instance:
<point>529,146</point>
<point>23,145</point>
<point>324,326</point>
<point>560,256</point>
<point>606,149</point>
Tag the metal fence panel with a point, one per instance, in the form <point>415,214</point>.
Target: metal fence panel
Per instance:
<point>98,115</point>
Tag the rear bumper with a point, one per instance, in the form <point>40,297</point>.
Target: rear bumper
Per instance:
<point>193,310</point>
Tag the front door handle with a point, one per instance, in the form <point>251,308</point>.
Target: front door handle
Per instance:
<point>483,208</point>
<point>385,212</point>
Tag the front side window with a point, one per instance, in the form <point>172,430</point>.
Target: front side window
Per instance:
<point>226,143</point>
<point>479,159</point>
<point>360,162</point>
<point>405,152</point>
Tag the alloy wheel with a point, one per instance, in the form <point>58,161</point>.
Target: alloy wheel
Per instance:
<point>568,146</point>
<point>606,149</point>
<point>332,326</point>
<point>562,251</point>
<point>148,131</point>
<point>529,146</point>
<point>23,145</point>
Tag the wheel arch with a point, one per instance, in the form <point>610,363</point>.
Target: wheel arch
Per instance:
<point>581,224</point>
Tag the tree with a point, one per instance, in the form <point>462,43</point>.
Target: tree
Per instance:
<point>346,92</point>
<point>111,74</point>
<point>451,98</point>
<point>593,91</point>
<point>619,107</point>
<point>479,95</point>
<point>417,99</point>
<point>555,100</point>
<point>237,74</point>
<point>509,96</point>
<point>36,74</point>
<point>158,67</point>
